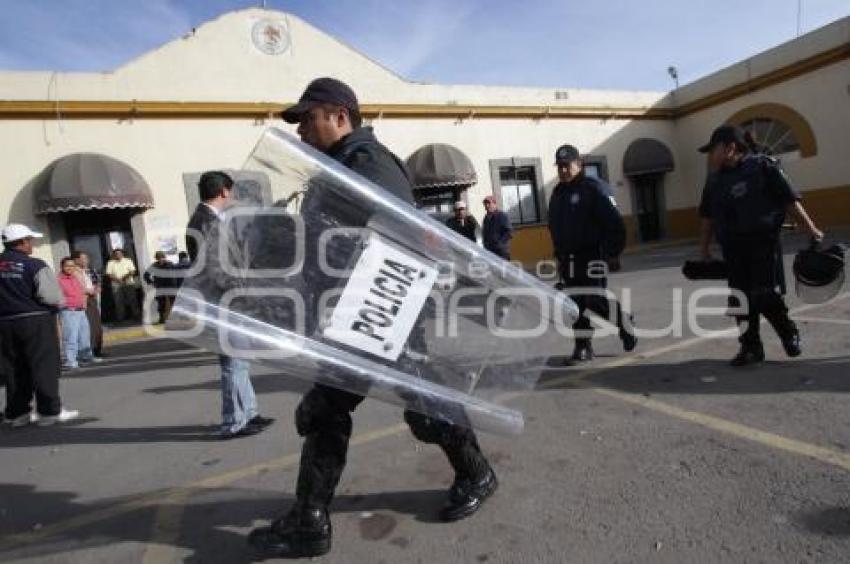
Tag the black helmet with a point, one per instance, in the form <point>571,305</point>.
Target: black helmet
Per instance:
<point>819,272</point>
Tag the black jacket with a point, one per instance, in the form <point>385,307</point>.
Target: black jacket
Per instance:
<point>27,286</point>
<point>364,154</point>
<point>163,280</point>
<point>200,222</point>
<point>583,220</point>
<point>748,201</point>
<point>497,232</point>
<point>325,208</point>
<point>468,229</point>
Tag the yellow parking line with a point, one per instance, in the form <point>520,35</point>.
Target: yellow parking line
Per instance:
<point>822,454</point>
<point>801,448</point>
<point>165,532</point>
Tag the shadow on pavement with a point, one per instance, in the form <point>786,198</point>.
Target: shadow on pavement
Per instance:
<point>829,521</point>
<point>110,368</point>
<point>263,384</point>
<point>717,377</point>
<point>213,526</point>
<point>73,434</point>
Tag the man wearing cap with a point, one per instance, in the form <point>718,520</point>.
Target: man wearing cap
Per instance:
<point>462,222</point>
<point>329,119</point>
<point>588,236</point>
<point>744,204</point>
<point>496,230</point>
<point>29,343</point>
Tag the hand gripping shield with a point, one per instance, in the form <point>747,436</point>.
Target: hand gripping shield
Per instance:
<point>360,291</point>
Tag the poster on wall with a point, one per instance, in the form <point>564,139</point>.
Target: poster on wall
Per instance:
<point>164,236</point>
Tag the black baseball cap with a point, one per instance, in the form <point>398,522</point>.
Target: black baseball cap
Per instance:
<point>566,154</point>
<point>725,134</point>
<point>323,90</point>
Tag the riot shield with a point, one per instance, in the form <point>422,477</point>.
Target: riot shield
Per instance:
<point>358,290</point>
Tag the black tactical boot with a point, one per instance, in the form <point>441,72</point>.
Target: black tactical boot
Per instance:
<point>786,329</point>
<point>583,351</point>
<point>466,496</point>
<point>749,354</point>
<point>792,344</point>
<point>627,335</point>
<point>302,533</point>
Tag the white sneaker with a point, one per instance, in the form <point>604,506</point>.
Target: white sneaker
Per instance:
<point>61,417</point>
<point>22,420</point>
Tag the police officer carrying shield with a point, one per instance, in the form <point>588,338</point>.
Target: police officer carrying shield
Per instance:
<point>329,119</point>
<point>588,235</point>
<point>744,204</point>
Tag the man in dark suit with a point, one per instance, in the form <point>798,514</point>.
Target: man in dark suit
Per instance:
<point>238,403</point>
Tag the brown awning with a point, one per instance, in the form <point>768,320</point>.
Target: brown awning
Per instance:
<point>89,181</point>
<point>440,165</point>
<point>645,156</point>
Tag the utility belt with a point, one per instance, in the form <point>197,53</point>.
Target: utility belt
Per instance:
<point>16,316</point>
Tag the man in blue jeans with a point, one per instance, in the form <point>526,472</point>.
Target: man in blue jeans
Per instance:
<point>76,336</point>
<point>239,414</point>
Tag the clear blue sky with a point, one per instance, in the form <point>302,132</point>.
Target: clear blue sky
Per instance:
<point>619,44</point>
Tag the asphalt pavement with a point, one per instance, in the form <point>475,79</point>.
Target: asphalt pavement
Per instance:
<point>665,454</point>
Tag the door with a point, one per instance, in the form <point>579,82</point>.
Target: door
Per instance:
<point>98,233</point>
<point>648,206</point>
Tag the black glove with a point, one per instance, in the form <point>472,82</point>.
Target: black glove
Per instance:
<point>712,269</point>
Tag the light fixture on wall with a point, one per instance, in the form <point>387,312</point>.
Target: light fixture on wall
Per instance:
<point>674,74</point>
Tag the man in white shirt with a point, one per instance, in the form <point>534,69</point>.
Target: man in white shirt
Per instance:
<point>122,277</point>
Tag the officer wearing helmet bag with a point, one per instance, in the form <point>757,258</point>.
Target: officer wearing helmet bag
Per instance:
<point>744,204</point>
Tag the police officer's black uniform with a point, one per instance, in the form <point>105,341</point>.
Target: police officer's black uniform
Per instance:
<point>746,205</point>
<point>587,231</point>
<point>323,417</point>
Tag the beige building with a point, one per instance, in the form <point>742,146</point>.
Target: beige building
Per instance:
<point>201,101</point>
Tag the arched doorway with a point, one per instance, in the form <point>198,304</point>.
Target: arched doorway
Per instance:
<point>440,175</point>
<point>90,200</point>
<point>645,163</point>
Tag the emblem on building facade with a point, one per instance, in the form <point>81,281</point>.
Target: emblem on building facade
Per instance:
<point>270,37</point>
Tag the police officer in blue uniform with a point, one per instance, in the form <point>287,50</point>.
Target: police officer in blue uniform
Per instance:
<point>588,235</point>
<point>744,204</point>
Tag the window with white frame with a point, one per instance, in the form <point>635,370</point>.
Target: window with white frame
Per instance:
<point>518,185</point>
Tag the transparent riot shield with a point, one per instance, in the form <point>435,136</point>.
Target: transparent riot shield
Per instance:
<point>358,290</point>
